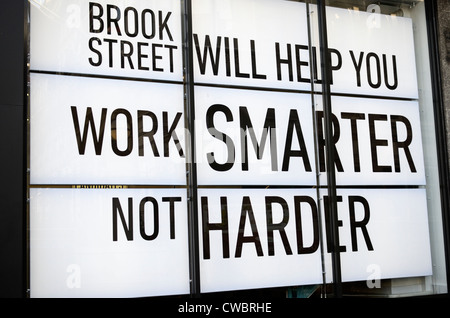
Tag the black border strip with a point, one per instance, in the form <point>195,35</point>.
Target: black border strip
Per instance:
<point>105,186</point>
<point>219,186</point>
<point>255,186</point>
<point>227,86</point>
<point>330,152</point>
<point>191,166</point>
<point>25,147</point>
<point>254,88</point>
<point>373,97</point>
<point>109,77</point>
<point>298,91</point>
<point>302,186</point>
<point>439,119</point>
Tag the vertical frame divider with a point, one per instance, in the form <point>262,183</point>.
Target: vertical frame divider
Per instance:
<point>316,145</point>
<point>440,125</point>
<point>26,150</point>
<point>331,174</point>
<point>191,166</point>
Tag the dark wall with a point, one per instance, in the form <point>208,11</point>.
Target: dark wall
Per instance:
<point>12,114</point>
<point>443,48</point>
<point>443,15</point>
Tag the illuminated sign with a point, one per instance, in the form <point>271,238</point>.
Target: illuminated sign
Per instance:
<point>246,43</point>
<point>108,242</point>
<point>267,138</point>
<point>100,131</point>
<point>132,39</point>
<point>252,137</point>
<point>372,54</point>
<point>269,238</point>
<point>109,147</point>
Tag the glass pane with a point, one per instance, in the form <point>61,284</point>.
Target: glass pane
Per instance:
<point>387,181</point>
<point>111,186</point>
<point>107,150</point>
<point>258,218</point>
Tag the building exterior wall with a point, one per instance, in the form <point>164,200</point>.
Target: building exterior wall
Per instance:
<point>12,107</point>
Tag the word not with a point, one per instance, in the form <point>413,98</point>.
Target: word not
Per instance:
<point>146,205</point>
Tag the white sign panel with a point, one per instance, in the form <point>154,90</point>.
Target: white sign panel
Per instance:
<point>372,53</point>
<point>265,44</point>
<point>258,238</point>
<point>252,137</point>
<point>140,39</point>
<point>261,43</point>
<point>108,242</point>
<point>266,138</point>
<point>107,111</point>
<point>383,234</point>
<point>266,238</point>
<point>377,142</point>
<point>97,131</point>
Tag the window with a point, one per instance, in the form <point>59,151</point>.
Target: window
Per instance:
<point>194,147</point>
<point>378,19</point>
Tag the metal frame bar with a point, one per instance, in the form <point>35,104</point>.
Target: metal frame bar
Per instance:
<point>192,186</point>
<point>191,166</point>
<point>439,119</point>
<point>25,147</point>
<point>331,173</point>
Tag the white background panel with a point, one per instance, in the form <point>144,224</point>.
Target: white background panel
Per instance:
<point>54,151</point>
<point>396,240</point>
<point>60,38</point>
<point>260,171</point>
<point>73,254</point>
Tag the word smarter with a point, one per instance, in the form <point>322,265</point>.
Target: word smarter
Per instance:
<point>397,146</point>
